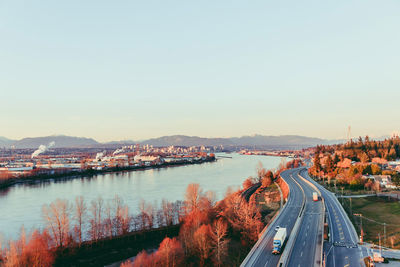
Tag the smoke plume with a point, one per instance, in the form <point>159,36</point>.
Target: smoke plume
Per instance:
<point>100,155</point>
<point>42,149</point>
<point>119,150</point>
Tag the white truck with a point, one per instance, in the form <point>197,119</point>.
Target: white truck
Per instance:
<point>315,196</point>
<point>279,240</point>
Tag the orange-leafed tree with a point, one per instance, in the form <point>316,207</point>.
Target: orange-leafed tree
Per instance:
<point>202,241</point>
<point>170,253</point>
<point>143,259</point>
<point>248,183</point>
<point>37,252</point>
<point>33,251</point>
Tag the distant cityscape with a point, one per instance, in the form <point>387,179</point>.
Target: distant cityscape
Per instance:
<point>50,161</point>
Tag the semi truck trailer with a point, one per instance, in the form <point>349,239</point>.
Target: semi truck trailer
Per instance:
<point>279,240</point>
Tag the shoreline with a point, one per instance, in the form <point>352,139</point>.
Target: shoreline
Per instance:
<point>10,182</point>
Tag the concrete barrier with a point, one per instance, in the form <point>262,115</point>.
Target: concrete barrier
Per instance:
<point>283,261</point>
<point>322,220</point>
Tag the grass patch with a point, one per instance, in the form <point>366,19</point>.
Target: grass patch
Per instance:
<point>377,210</point>
<point>268,201</point>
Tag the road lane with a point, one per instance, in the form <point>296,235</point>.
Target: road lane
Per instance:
<point>342,248</point>
<point>304,249</point>
<point>261,254</point>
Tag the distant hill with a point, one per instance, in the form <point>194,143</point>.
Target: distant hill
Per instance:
<point>259,141</point>
<point>183,140</point>
<point>60,141</point>
<point>262,140</point>
<point>5,142</point>
<point>121,142</point>
<point>283,141</point>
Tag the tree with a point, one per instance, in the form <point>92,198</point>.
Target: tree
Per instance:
<point>192,197</point>
<point>266,181</point>
<point>80,213</point>
<point>147,214</point>
<point>260,171</point>
<point>57,218</point>
<point>328,164</point>
<point>170,252</point>
<point>96,220</point>
<point>317,163</point>
<point>202,242</point>
<point>336,159</point>
<point>244,217</point>
<point>364,157</point>
<point>219,241</point>
<point>249,182</point>
<point>37,251</point>
<point>143,259</point>
<point>168,212</point>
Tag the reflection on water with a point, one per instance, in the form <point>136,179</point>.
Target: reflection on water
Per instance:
<point>22,204</point>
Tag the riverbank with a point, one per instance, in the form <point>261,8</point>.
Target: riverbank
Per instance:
<point>9,182</point>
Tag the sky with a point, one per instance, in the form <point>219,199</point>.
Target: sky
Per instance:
<point>117,70</point>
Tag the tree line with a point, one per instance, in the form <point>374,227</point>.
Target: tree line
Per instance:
<point>335,162</point>
<point>70,224</point>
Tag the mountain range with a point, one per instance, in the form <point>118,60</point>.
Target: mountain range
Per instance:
<point>59,140</point>
<point>260,141</point>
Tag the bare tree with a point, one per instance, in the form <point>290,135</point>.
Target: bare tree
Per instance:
<point>108,221</point>
<point>218,234</point>
<point>80,213</point>
<point>192,197</point>
<point>121,220</point>
<point>57,219</point>
<point>260,171</point>
<point>125,220</point>
<point>96,220</point>
<point>168,212</point>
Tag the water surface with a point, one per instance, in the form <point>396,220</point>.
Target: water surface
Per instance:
<point>22,204</point>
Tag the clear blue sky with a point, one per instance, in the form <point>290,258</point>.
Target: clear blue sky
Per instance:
<point>116,70</point>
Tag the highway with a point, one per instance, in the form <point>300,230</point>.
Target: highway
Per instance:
<point>307,247</point>
<point>342,248</point>
<point>261,253</point>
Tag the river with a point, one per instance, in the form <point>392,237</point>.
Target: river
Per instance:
<point>22,204</point>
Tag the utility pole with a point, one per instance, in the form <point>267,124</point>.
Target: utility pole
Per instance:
<point>335,187</point>
<point>342,195</point>
<point>384,234</point>
<point>351,210</point>
<point>380,247</point>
